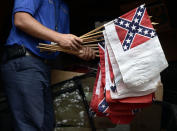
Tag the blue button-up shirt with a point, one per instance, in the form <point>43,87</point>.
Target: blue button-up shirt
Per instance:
<point>44,12</point>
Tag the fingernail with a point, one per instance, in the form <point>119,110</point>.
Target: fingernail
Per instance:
<point>81,51</point>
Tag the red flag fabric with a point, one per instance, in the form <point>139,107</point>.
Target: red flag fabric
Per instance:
<point>95,95</point>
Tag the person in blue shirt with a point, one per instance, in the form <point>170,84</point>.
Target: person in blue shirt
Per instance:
<point>25,75</point>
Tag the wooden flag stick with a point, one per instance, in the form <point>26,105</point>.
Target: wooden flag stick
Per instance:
<point>92,45</point>
<point>98,32</point>
<point>92,31</point>
<point>89,40</point>
<point>54,47</point>
<point>58,49</point>
<point>95,48</point>
<point>95,41</point>
<point>43,50</point>
<point>96,51</point>
<point>97,55</point>
<point>154,23</point>
<point>66,51</point>
<point>42,44</point>
<point>46,49</point>
<point>96,36</point>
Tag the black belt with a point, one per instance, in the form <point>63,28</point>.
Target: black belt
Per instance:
<point>16,51</point>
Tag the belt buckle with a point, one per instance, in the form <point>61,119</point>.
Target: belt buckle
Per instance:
<point>28,53</point>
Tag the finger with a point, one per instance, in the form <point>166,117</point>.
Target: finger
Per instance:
<point>85,53</point>
<point>85,50</point>
<point>90,53</point>
<point>79,40</point>
<point>93,54</point>
<point>74,47</point>
<point>76,43</point>
<point>82,53</point>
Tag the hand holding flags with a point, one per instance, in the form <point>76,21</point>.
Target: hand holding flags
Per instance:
<point>131,59</point>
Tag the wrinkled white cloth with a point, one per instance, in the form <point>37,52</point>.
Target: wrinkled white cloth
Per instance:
<point>122,91</point>
<point>140,64</point>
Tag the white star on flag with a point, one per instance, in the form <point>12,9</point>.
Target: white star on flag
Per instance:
<point>146,32</point>
<point>121,22</point>
<point>131,34</point>
<point>125,47</point>
<point>128,41</point>
<point>136,20</point>
<point>127,24</point>
<point>140,30</point>
<point>139,13</point>
<point>116,20</point>
<point>152,34</point>
<point>103,106</point>
<point>142,6</point>
<point>133,27</point>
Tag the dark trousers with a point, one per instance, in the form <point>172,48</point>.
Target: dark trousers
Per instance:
<point>27,85</point>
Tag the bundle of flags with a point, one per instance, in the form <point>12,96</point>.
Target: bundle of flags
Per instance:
<point>131,59</point>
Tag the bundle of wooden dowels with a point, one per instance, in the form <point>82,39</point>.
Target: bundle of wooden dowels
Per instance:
<point>90,39</point>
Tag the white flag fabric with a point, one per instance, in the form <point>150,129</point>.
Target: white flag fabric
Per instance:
<point>139,55</point>
<point>121,89</point>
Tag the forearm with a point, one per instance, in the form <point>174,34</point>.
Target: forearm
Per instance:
<point>31,26</point>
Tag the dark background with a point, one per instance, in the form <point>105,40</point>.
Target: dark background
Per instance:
<point>84,14</point>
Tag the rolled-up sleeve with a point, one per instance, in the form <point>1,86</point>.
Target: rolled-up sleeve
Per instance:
<point>29,6</point>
